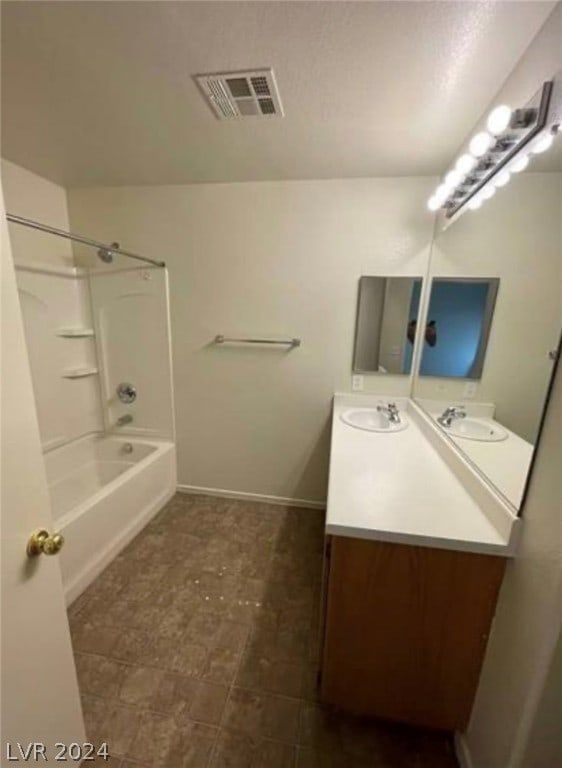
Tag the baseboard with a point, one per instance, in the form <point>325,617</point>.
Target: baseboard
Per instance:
<point>279,500</point>
<point>115,546</point>
<point>462,752</point>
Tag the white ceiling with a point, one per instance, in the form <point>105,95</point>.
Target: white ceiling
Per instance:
<point>97,93</point>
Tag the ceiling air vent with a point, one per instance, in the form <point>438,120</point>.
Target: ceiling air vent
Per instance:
<point>250,93</point>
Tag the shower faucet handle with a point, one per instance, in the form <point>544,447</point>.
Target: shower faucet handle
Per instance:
<point>126,392</point>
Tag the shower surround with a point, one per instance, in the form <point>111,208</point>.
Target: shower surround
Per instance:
<point>87,331</point>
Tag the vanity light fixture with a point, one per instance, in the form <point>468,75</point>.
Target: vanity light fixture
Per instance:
<point>543,144</point>
<point>480,144</point>
<point>465,164</point>
<point>511,137</point>
<point>453,178</point>
<point>502,178</point>
<point>475,203</point>
<point>519,164</point>
<point>499,119</point>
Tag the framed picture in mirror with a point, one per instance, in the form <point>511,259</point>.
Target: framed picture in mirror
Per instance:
<point>458,325</point>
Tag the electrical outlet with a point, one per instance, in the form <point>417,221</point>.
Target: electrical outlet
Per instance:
<point>357,383</point>
<point>469,390</point>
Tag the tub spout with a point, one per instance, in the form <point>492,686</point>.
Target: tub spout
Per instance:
<point>126,419</point>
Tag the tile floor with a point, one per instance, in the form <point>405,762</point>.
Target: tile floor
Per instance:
<point>197,647</point>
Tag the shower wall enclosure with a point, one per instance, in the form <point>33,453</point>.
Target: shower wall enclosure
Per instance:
<point>87,331</point>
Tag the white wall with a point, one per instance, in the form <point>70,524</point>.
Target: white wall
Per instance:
<point>280,259</point>
<point>34,197</point>
<point>544,747</point>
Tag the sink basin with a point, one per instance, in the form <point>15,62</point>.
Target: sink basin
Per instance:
<point>470,428</point>
<point>372,420</point>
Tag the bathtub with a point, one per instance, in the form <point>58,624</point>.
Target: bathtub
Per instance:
<point>103,491</point>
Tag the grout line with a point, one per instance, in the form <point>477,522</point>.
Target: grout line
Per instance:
<point>141,708</point>
<point>81,616</point>
<point>228,697</point>
<point>198,678</point>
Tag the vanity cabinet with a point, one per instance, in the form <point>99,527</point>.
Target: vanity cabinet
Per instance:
<point>405,629</point>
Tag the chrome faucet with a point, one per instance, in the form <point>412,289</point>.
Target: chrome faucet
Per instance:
<point>391,411</point>
<point>126,392</point>
<point>125,419</point>
<point>450,414</point>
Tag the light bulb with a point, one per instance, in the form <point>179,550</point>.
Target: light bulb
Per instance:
<point>433,203</point>
<point>488,192</point>
<point>502,178</point>
<point>465,164</point>
<point>480,144</point>
<point>442,191</point>
<point>519,164</point>
<point>475,203</point>
<point>544,143</point>
<point>498,119</point>
<point>441,196</point>
<point>453,178</point>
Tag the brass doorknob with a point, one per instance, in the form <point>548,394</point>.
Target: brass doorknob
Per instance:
<point>43,542</point>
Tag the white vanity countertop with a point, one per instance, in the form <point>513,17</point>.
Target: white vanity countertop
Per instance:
<point>397,487</point>
<point>505,463</point>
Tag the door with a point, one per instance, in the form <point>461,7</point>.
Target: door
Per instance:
<point>40,702</point>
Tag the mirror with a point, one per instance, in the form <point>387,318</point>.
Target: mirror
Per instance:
<point>457,327</point>
<point>386,323</point>
<point>515,236</point>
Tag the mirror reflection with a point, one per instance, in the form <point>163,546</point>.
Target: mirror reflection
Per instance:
<point>457,328</point>
<point>386,324</point>
<point>493,414</point>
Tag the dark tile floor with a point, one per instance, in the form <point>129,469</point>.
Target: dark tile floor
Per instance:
<point>198,647</point>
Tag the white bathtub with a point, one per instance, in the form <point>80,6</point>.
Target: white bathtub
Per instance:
<point>102,494</point>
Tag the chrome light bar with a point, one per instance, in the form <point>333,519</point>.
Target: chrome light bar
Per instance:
<point>493,154</point>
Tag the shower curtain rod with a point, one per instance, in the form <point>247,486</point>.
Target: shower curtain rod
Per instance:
<point>106,249</point>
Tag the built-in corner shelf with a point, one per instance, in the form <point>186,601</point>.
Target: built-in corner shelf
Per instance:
<point>75,333</point>
<point>79,373</point>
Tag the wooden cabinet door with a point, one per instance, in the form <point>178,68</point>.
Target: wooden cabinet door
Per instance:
<point>406,629</point>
